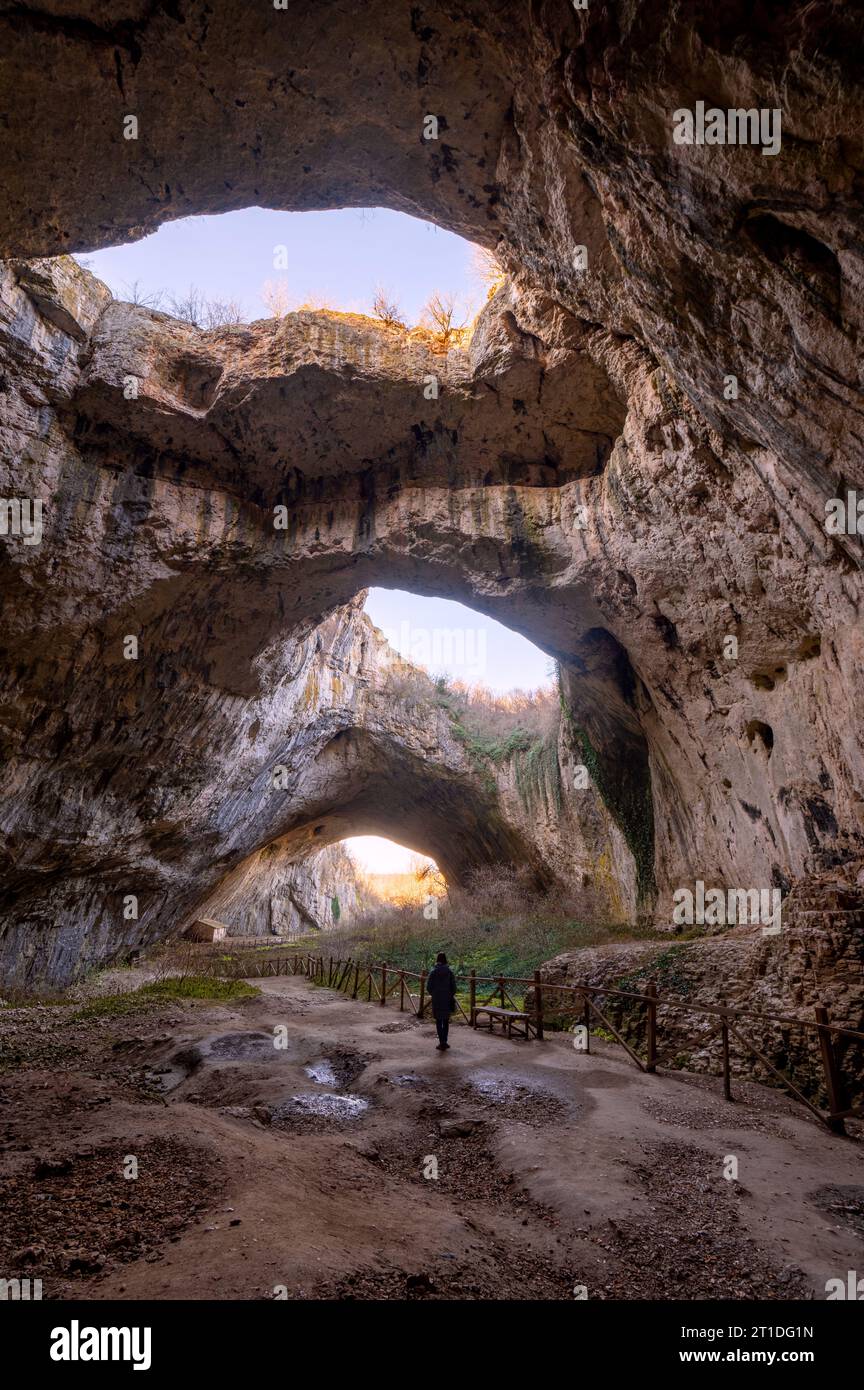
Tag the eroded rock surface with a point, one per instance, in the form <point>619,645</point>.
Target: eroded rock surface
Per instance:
<point>817,959</point>
<point>275,894</point>
<point>583,475</point>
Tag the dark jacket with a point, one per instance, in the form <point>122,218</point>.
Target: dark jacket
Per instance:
<point>441,988</point>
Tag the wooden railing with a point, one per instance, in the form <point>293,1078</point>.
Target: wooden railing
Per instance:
<point>379,982</point>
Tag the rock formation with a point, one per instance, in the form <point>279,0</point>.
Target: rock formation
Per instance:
<point>273,893</point>
<point>818,960</point>
<point>630,462</point>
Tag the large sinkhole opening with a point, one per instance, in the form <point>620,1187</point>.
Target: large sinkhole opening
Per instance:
<point>435,781</point>
<point>238,267</point>
<point>461,646</point>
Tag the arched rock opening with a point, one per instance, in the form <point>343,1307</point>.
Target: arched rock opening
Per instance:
<point>636,495</point>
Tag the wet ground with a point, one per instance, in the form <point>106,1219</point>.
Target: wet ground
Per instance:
<point>302,1144</point>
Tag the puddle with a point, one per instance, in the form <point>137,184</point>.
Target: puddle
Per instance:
<point>189,1059</point>
<point>339,1068</point>
<point>325,1105</point>
<point>322,1073</point>
<point>244,1047</point>
<point>524,1100</point>
<point>409,1079</point>
<point>498,1089</point>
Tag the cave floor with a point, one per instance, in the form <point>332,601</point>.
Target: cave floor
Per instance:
<point>304,1170</point>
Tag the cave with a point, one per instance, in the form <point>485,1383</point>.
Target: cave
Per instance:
<point>629,460</point>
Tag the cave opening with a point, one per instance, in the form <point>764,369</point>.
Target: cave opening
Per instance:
<point>227,269</point>
<point>403,797</point>
<point>623,452</point>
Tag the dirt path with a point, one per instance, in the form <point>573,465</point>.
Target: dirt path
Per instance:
<point>554,1170</point>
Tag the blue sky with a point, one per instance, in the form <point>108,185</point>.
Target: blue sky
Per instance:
<point>342,257</point>
<point>449,639</point>
<point>338,256</point>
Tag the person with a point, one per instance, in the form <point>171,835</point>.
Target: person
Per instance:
<point>441,986</point>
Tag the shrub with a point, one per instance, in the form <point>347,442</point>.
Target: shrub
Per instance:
<point>386,309</point>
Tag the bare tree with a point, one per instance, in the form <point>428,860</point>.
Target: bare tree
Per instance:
<point>487,270</point>
<point>386,308</point>
<point>439,318</point>
<point>189,307</point>
<point>195,308</point>
<point>276,298</point>
<point>318,302</point>
<point>145,298</point>
<point>223,313</point>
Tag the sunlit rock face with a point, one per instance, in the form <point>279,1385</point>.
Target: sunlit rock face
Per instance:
<point>587,473</point>
<point>273,893</point>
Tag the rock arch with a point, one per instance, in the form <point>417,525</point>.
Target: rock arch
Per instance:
<point>635,497</point>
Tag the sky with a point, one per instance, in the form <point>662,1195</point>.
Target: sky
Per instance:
<point>379,856</point>
<point>453,640</point>
<point>449,639</point>
<point>339,258</point>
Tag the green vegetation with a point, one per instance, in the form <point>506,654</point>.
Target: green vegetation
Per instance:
<point>499,925</point>
<point>199,987</point>
<point>665,968</point>
<point>538,773</point>
<point>520,727</point>
<point>172,987</point>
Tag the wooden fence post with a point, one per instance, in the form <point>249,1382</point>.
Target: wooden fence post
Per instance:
<point>383,983</point>
<point>369,985</point>
<point>503,992</point>
<point>356,980</point>
<point>422,994</point>
<point>538,1004</point>
<point>651,1059</point>
<point>833,1079</point>
<point>401,991</point>
<point>586,1021</point>
<point>472,998</point>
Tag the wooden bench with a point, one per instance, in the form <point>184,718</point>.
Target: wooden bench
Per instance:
<point>525,1024</point>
